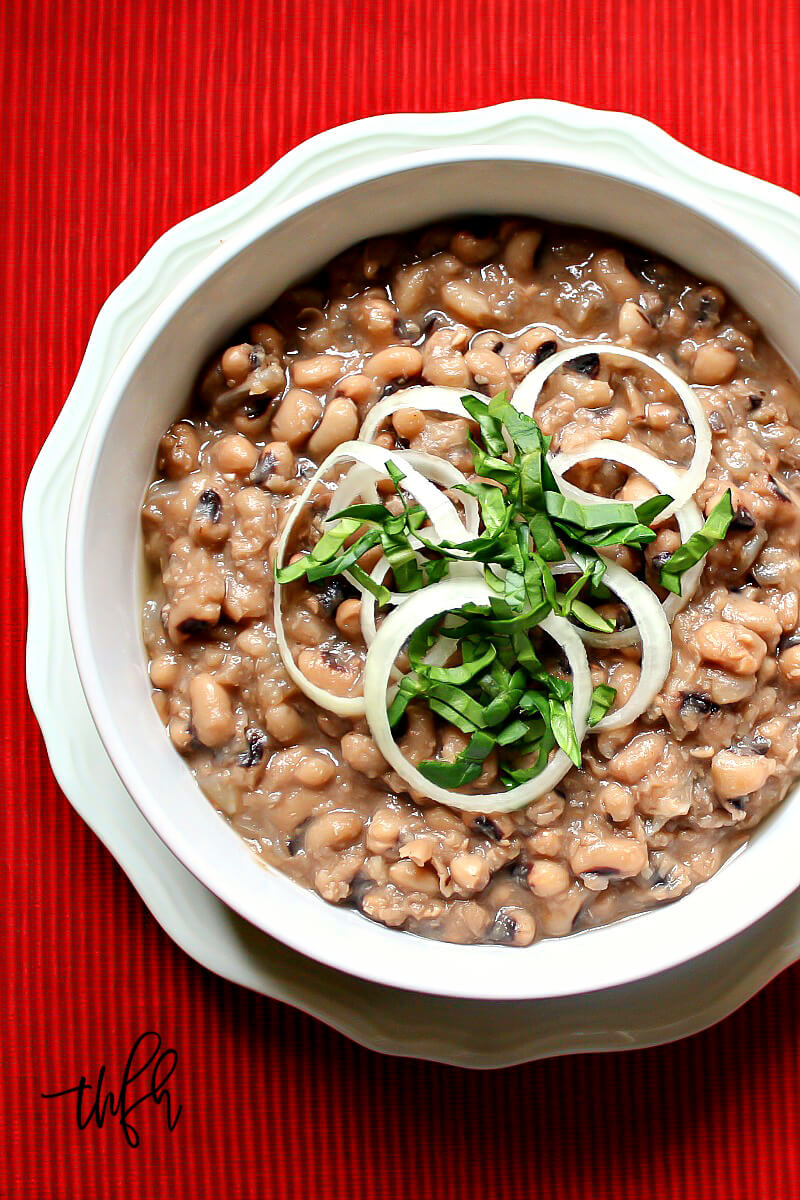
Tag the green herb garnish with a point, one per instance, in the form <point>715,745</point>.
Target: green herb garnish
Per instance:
<point>496,690</point>
<point>698,545</point>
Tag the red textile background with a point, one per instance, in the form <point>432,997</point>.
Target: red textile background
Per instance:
<point>120,118</point>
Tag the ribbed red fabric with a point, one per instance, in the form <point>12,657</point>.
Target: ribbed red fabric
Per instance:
<point>119,119</point>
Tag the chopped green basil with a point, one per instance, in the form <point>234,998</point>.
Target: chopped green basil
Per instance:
<point>494,687</point>
<point>698,545</point>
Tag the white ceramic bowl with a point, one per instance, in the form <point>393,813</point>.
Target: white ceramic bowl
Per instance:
<point>150,387</point>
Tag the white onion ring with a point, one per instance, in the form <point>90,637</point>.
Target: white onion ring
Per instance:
<point>443,516</point>
<point>655,636</point>
<point>447,596</point>
<point>445,473</point>
<point>425,398</point>
<point>663,477</point>
<point>360,482</point>
<point>529,390</point>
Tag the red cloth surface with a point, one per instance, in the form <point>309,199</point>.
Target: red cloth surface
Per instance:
<point>119,119</point>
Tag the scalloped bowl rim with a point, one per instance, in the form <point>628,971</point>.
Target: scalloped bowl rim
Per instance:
<point>465,971</point>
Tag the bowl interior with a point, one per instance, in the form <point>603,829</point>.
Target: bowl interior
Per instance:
<point>151,387</point>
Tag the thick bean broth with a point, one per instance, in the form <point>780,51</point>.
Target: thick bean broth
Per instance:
<point>658,806</point>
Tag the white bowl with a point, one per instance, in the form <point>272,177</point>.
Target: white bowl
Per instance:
<point>150,387</point>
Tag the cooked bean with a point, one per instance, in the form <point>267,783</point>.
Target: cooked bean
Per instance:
<point>489,370</point>
<point>212,715</point>
<point>164,671</point>
<point>375,315</point>
<point>469,872</point>
<point>407,876</point>
<point>358,388</point>
<point>348,619</point>
<point>329,594</point>
<point>776,567</point>
<point>640,756</point>
<point>257,742</point>
<point>384,828</point>
<point>618,801</point>
<point>714,363</point>
<point>339,424</point>
<point>332,831</point>
<point>734,647</point>
<point>610,270</point>
<point>520,253</point>
<point>284,723</point>
<point>466,302</point>
<point>634,325</point>
<point>178,451</point>
<point>636,489</point>
<point>236,364</point>
<point>739,774</point>
<point>661,416</point>
<point>443,362</point>
<point>758,617</point>
<point>275,467</point>
<point>395,362</point>
<point>789,665</point>
<point>363,755</point>
<point>411,287</point>
<point>298,414</point>
<point>319,372</point>
<point>331,672</point>
<point>235,454</point>
<point>547,878</point>
<point>268,337</point>
<point>472,250</point>
<point>315,770</point>
<point>408,422</point>
<point>514,926</point>
<point>615,854</point>
<point>585,364</point>
<point>253,641</point>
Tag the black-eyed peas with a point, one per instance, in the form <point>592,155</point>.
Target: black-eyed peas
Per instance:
<point>236,363</point>
<point>466,302</point>
<point>472,250</point>
<point>520,253</point>
<point>658,806</point>
<point>339,423</point>
<point>178,450</point>
<point>714,363</point>
<point>332,831</point>
<point>737,774</point>
<point>212,716</point>
<point>443,359</point>
<point>735,647</point>
<point>318,372</point>
<point>395,362</point>
<point>489,371</point>
<point>297,416</point>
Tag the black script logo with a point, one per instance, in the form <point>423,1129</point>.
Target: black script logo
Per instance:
<point>147,1067</point>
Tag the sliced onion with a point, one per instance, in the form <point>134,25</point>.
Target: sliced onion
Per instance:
<point>425,398</point>
<point>449,596</point>
<point>359,483</point>
<point>443,516</point>
<point>663,477</point>
<point>529,390</point>
<point>652,629</point>
<point>360,480</point>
